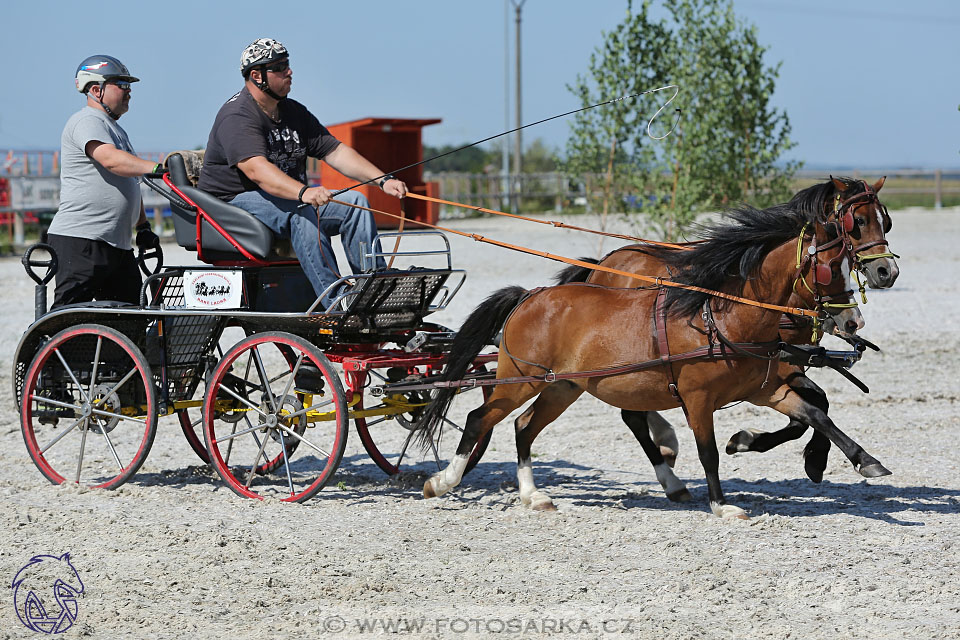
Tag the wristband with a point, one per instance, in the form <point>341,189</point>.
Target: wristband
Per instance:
<point>300,195</point>
<point>143,226</point>
<point>157,168</point>
<point>383,181</point>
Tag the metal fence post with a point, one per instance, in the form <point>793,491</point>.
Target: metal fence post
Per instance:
<point>938,180</point>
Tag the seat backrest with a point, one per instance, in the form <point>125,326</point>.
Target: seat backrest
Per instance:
<point>184,222</point>
<point>250,233</point>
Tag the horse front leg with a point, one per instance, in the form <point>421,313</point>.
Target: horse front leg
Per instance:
<point>814,454</point>
<point>792,404</point>
<point>700,418</point>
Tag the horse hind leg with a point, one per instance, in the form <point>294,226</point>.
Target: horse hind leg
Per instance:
<point>664,436</point>
<point>479,422</point>
<point>641,425</point>
<point>553,401</point>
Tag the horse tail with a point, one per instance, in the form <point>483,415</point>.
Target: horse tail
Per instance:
<point>575,273</point>
<point>479,329</point>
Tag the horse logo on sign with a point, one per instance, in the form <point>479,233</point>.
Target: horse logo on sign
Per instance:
<point>45,593</point>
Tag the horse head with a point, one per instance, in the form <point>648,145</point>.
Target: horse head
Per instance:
<point>823,277</point>
<point>857,213</point>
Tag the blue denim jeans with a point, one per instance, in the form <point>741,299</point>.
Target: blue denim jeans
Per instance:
<point>287,219</point>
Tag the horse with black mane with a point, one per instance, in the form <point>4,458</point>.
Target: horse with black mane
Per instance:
<point>871,223</point>
<point>660,347</point>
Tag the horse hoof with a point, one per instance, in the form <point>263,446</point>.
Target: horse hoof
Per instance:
<point>680,496</point>
<point>874,470</point>
<point>543,505</point>
<point>669,456</point>
<point>428,491</point>
<point>729,512</point>
<point>814,471</point>
<point>739,442</point>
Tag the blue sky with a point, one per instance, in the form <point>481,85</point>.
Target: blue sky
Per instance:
<point>866,83</point>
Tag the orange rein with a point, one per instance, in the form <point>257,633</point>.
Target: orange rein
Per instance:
<point>550,222</point>
<point>797,311</point>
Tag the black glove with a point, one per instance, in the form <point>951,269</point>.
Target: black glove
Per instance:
<point>146,238</point>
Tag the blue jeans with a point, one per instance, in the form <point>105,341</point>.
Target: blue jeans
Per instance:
<point>287,219</point>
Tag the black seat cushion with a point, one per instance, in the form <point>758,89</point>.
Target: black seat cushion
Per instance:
<point>253,235</point>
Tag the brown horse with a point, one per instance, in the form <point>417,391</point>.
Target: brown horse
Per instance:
<point>571,329</point>
<point>871,222</point>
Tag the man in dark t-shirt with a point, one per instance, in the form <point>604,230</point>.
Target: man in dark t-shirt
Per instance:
<point>256,158</point>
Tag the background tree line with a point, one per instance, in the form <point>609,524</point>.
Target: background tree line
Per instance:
<point>728,143</point>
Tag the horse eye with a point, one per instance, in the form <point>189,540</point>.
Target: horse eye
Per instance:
<point>861,222</point>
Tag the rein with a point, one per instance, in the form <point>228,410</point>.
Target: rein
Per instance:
<point>552,223</point>
<point>660,282</point>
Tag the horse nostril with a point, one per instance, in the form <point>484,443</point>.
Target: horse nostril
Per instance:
<point>883,274</point>
<point>851,326</point>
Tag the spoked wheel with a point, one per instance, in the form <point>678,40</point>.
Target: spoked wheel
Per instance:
<point>275,418</point>
<point>390,439</point>
<point>89,408</point>
<point>191,422</point>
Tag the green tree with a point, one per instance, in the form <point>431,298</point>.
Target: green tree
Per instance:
<point>728,142</point>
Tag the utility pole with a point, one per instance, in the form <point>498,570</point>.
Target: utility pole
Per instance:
<point>518,140</point>
<point>504,148</point>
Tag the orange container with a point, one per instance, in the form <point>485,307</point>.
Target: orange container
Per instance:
<point>389,143</point>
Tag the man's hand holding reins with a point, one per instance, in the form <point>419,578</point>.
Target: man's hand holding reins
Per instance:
<point>394,187</point>
<point>316,196</point>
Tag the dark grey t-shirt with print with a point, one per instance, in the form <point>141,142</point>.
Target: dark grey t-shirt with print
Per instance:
<point>242,130</point>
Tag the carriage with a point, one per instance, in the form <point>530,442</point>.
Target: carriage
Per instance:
<point>262,380</point>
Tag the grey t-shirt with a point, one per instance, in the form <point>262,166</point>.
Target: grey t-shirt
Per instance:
<point>94,203</point>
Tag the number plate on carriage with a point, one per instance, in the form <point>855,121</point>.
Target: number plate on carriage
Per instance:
<point>213,289</point>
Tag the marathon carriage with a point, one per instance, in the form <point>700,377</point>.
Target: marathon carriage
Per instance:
<point>262,380</point>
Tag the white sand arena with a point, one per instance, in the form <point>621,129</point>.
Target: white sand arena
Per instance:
<point>175,554</point>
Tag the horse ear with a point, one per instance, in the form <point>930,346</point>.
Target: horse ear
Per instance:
<point>839,185</point>
<point>879,184</point>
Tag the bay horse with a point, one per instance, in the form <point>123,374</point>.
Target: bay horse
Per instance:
<point>871,223</point>
<point>565,340</point>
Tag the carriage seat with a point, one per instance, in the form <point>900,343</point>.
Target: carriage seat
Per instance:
<point>250,233</point>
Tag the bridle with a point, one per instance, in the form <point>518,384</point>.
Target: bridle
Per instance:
<point>843,213</point>
<point>822,271</point>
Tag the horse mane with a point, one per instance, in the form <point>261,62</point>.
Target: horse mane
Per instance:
<point>731,248</point>
<point>735,246</point>
<point>816,199</point>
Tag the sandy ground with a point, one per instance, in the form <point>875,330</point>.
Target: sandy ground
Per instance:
<point>174,553</point>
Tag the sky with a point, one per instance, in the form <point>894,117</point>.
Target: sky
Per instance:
<point>865,83</point>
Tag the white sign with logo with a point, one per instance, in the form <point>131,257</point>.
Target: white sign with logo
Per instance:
<point>34,193</point>
<point>213,289</point>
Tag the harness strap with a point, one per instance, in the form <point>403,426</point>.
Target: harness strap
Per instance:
<point>663,345</point>
<point>755,349</point>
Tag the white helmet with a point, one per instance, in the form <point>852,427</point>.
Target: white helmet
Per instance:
<point>261,52</point>
<point>97,69</point>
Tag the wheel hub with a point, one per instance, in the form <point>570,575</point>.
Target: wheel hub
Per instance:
<point>104,399</point>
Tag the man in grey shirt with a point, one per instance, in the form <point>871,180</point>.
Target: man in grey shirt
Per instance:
<point>99,193</point>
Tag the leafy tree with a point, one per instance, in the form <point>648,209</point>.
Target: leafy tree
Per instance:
<point>728,141</point>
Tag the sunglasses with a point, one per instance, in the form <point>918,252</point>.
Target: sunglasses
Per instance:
<point>278,67</point>
<point>123,85</point>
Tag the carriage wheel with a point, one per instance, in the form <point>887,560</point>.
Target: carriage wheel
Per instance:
<point>394,449</point>
<point>89,409</point>
<point>190,424</point>
<point>284,429</point>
